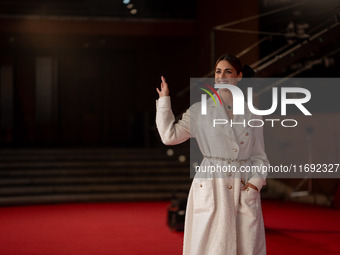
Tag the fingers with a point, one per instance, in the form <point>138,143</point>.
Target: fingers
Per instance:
<point>163,84</point>
<point>164,91</point>
<point>244,187</point>
<point>249,185</point>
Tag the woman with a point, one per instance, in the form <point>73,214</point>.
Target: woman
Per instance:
<point>223,215</point>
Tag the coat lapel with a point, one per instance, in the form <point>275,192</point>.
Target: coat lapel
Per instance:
<point>241,128</point>
<point>218,111</point>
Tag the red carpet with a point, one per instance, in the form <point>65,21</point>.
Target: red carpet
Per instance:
<point>112,228</point>
<point>293,228</point>
<point>140,228</point>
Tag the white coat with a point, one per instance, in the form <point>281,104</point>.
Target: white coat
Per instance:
<point>220,218</point>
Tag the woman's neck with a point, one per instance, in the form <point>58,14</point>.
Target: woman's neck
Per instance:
<point>226,97</point>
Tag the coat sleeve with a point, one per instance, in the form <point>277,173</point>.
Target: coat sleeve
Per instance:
<point>171,133</point>
<point>258,158</point>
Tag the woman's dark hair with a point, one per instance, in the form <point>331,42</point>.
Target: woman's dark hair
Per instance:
<point>246,70</point>
<point>234,61</point>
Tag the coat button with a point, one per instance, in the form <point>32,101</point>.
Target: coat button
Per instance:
<point>246,134</point>
<point>201,185</point>
<point>230,187</point>
<point>242,142</point>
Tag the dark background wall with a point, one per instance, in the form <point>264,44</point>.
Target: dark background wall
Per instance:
<point>88,77</point>
<point>84,72</point>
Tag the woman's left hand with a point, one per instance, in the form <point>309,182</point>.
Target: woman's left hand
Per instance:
<point>249,185</point>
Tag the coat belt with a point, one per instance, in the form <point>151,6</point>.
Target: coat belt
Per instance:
<point>229,160</point>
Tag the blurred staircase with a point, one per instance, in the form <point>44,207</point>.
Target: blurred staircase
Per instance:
<point>32,176</point>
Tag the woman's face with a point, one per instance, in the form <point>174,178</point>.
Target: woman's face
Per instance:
<point>226,73</point>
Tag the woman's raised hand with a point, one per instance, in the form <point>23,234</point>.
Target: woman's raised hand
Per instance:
<point>164,88</point>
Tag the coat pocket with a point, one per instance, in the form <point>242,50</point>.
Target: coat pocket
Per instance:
<point>203,194</point>
<point>249,202</point>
